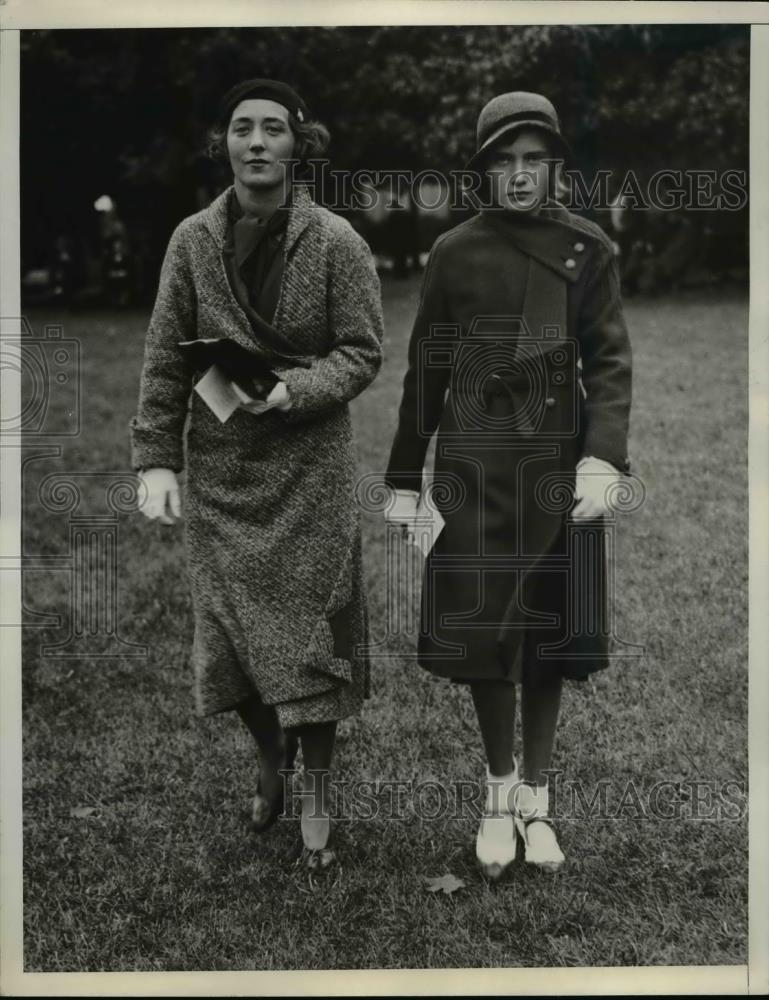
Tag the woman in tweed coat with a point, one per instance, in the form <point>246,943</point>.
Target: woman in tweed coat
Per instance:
<point>272,526</point>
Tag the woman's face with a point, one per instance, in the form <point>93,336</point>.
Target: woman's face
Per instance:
<point>259,137</point>
<point>519,171</point>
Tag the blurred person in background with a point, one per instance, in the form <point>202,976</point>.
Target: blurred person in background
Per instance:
<point>114,254</point>
<point>272,526</point>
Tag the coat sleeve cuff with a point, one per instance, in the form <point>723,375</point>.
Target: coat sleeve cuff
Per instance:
<point>152,449</point>
<point>299,393</point>
<point>607,452</point>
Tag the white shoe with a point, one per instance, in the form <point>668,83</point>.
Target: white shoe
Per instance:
<point>495,844</point>
<point>536,828</point>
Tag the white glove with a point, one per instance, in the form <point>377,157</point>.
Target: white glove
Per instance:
<point>162,502</point>
<point>278,399</point>
<point>403,511</point>
<point>594,488</point>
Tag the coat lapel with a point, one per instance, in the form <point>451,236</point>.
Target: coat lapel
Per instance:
<point>545,302</point>
<point>557,253</point>
<point>299,217</point>
<point>236,322</point>
<point>548,238</point>
<point>215,216</point>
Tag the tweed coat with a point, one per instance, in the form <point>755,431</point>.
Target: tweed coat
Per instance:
<point>272,525</point>
<point>520,359</point>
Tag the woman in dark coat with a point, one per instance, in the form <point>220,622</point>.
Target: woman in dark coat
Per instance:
<point>520,359</point>
<point>272,527</point>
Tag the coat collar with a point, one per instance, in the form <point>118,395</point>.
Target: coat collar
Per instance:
<point>299,215</point>
<point>549,238</point>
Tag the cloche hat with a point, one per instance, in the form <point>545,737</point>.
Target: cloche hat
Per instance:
<point>519,109</point>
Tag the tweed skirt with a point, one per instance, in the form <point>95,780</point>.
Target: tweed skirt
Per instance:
<point>275,559</point>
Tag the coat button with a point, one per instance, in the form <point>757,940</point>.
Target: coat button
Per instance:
<point>550,402</point>
<point>570,263</point>
<point>579,247</point>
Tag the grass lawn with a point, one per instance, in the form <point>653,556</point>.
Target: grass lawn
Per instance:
<point>155,870</point>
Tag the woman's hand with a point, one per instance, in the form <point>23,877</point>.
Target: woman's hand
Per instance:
<point>278,399</point>
<point>161,501</point>
<point>402,512</point>
<point>595,484</point>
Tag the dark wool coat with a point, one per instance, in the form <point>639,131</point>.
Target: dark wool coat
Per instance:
<point>513,311</point>
<point>272,525</point>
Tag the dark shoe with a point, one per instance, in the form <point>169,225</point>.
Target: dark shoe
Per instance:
<point>265,811</point>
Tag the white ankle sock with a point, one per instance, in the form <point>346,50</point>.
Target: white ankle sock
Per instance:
<point>531,801</point>
<point>500,790</point>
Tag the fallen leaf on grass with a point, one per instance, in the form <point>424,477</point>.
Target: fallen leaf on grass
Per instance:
<point>445,883</point>
<point>80,812</point>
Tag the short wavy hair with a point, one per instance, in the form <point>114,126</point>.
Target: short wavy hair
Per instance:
<point>312,139</point>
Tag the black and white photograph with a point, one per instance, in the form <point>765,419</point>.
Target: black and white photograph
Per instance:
<point>384,511</point>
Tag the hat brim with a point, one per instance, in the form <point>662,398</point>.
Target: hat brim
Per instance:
<point>562,149</point>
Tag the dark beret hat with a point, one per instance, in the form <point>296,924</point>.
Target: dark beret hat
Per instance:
<point>270,90</point>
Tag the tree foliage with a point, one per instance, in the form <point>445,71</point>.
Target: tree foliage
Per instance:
<point>126,111</point>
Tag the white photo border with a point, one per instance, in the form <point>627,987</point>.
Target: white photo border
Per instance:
<point>16,15</point>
